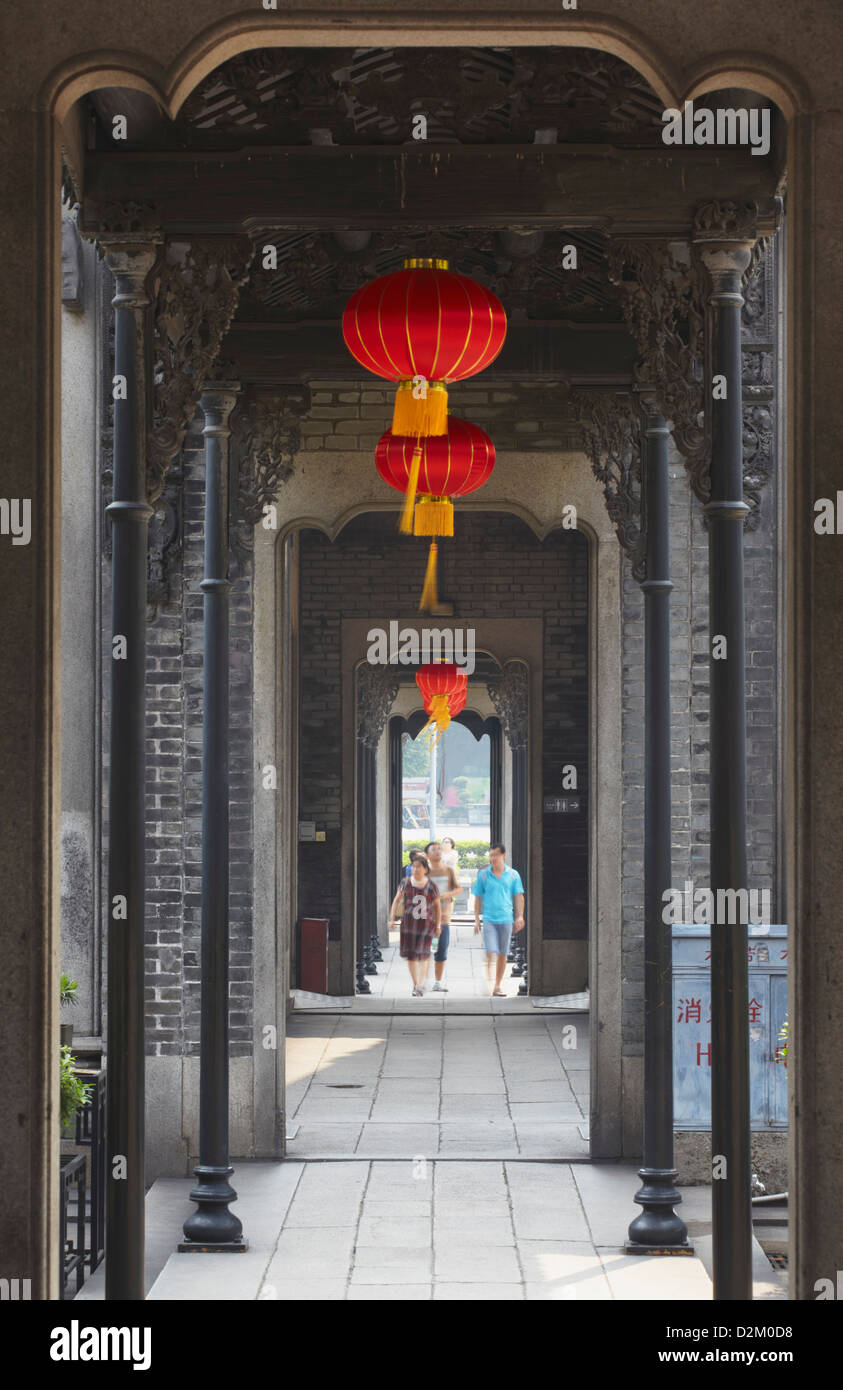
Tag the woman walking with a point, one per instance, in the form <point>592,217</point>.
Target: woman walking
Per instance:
<point>449,888</point>
<point>417,898</point>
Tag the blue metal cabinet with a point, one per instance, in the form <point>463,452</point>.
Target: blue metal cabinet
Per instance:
<point>692,1026</point>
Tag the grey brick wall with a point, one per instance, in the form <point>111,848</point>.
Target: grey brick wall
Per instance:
<point>517,416</point>
<point>174,787</point>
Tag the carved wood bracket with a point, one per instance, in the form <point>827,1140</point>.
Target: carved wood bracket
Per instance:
<point>663,300</point>
<point>509,695</point>
<point>377,687</point>
<point>265,438</point>
<point>664,296</point>
<point>611,426</point>
<point>196,286</point>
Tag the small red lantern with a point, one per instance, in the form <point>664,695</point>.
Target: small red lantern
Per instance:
<point>438,468</point>
<point>444,688</point>
<point>422,327</point>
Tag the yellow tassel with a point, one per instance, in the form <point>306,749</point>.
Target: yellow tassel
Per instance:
<point>434,517</point>
<point>405,525</point>
<point>418,417</point>
<point>429,599</point>
<point>440,718</point>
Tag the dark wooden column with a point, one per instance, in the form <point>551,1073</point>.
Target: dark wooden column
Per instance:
<point>212,1227</point>
<point>657,1229</point>
<point>377,687</point>
<point>397,727</point>
<point>509,695</point>
<point>725,261</point>
<point>129,512</point>
<point>495,779</point>
<point>366,863</point>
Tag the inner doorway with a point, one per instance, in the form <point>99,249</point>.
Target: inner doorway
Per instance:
<point>448,794</point>
<point>447,1075</point>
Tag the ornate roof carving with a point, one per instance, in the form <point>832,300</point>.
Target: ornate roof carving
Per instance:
<point>316,273</point>
<point>468,96</point>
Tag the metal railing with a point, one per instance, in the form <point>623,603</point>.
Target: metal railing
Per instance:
<point>82,1188</point>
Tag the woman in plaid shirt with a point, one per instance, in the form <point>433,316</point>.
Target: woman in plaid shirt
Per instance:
<point>421,915</point>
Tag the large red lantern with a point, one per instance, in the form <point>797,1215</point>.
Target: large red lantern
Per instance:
<point>444,688</point>
<point>422,327</point>
<point>430,472</point>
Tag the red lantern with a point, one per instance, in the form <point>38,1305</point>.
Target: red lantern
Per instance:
<point>423,326</point>
<point>439,468</point>
<point>444,687</point>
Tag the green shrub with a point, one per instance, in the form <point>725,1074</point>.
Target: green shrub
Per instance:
<point>74,1094</point>
<point>472,853</point>
<point>69,991</point>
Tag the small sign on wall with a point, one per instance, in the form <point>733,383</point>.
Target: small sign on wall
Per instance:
<point>560,805</point>
<point>307,829</point>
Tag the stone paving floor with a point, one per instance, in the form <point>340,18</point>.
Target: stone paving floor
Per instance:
<point>419,1230</point>
<point>447,1085</point>
<point>418,1166</point>
<point>437,1078</point>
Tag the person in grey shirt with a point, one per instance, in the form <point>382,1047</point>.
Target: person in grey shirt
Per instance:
<point>448,884</point>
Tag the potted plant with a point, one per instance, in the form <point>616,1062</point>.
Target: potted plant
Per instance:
<point>74,1094</point>
<point>69,995</point>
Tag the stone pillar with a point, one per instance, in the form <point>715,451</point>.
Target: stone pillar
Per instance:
<point>725,258</point>
<point>130,262</point>
<point>30,748</point>
<point>814,653</point>
<point>85,283</point>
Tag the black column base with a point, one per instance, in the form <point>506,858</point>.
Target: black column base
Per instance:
<point>362,984</point>
<point>631,1248</point>
<point>375,948</point>
<point>658,1230</point>
<point>213,1226</point>
<point>227,1247</point>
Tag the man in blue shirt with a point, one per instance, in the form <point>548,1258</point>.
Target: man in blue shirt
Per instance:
<point>498,890</point>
